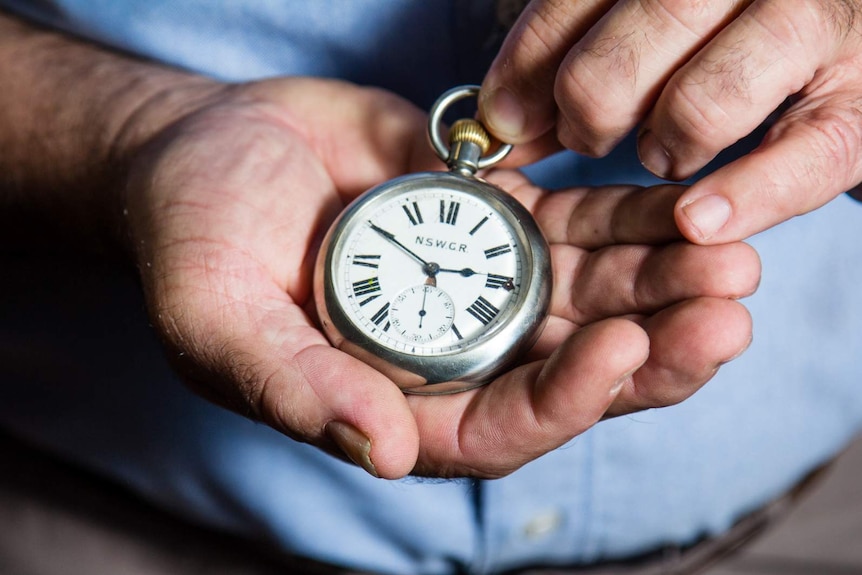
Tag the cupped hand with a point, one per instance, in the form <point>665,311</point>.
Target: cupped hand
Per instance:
<point>639,319</point>
<point>225,210</point>
<point>697,77</point>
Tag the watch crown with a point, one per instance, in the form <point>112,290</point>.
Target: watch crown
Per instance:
<point>467,130</point>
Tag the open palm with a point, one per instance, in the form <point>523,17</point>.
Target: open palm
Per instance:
<point>226,209</point>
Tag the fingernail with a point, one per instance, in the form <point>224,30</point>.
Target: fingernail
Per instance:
<point>503,114</point>
<point>707,214</point>
<point>353,443</point>
<point>653,155</point>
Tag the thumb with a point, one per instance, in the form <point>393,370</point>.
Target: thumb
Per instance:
<point>807,159</point>
<point>278,370</point>
<point>360,411</point>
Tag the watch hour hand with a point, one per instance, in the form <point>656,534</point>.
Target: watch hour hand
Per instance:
<point>493,281</point>
<point>466,272</point>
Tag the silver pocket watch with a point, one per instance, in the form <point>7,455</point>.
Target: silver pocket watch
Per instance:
<point>439,280</point>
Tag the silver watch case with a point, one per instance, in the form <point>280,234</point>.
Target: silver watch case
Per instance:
<point>466,368</point>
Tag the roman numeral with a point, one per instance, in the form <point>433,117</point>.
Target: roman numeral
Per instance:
<point>496,282</point>
<point>498,251</point>
<point>367,261</point>
<point>482,310</point>
<point>479,225</point>
<point>382,314</point>
<point>449,216</point>
<point>413,213</point>
<point>456,332</point>
<point>366,287</point>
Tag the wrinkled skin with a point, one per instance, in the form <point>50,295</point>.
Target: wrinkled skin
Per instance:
<point>694,77</point>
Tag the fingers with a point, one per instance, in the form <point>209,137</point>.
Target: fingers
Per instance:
<point>604,263</point>
<point>688,344</point>
<point>809,157</point>
<point>516,101</point>
<point>592,218</point>
<point>638,279</point>
<point>614,74</point>
<point>492,431</point>
<point>698,75</point>
<point>601,64</point>
<point>772,50</point>
<point>609,368</point>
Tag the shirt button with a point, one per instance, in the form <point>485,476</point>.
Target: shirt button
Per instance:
<point>543,524</point>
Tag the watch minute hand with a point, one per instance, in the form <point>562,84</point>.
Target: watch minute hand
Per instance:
<point>391,237</point>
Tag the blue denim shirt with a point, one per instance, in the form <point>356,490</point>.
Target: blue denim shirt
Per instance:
<point>81,372</point>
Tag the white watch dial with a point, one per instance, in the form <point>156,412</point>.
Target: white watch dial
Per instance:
<point>428,272</point>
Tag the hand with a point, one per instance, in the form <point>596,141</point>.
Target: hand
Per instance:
<point>226,208</point>
<point>697,76</point>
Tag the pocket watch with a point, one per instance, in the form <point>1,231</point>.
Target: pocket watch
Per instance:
<point>440,280</point>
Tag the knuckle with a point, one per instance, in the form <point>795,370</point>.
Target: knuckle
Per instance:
<point>595,113</point>
<point>833,138</point>
<point>696,110</point>
<point>838,133</point>
<point>587,125</point>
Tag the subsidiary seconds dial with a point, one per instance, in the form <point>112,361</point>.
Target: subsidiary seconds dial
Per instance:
<point>422,313</point>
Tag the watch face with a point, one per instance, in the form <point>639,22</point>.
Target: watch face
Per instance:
<point>434,267</point>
